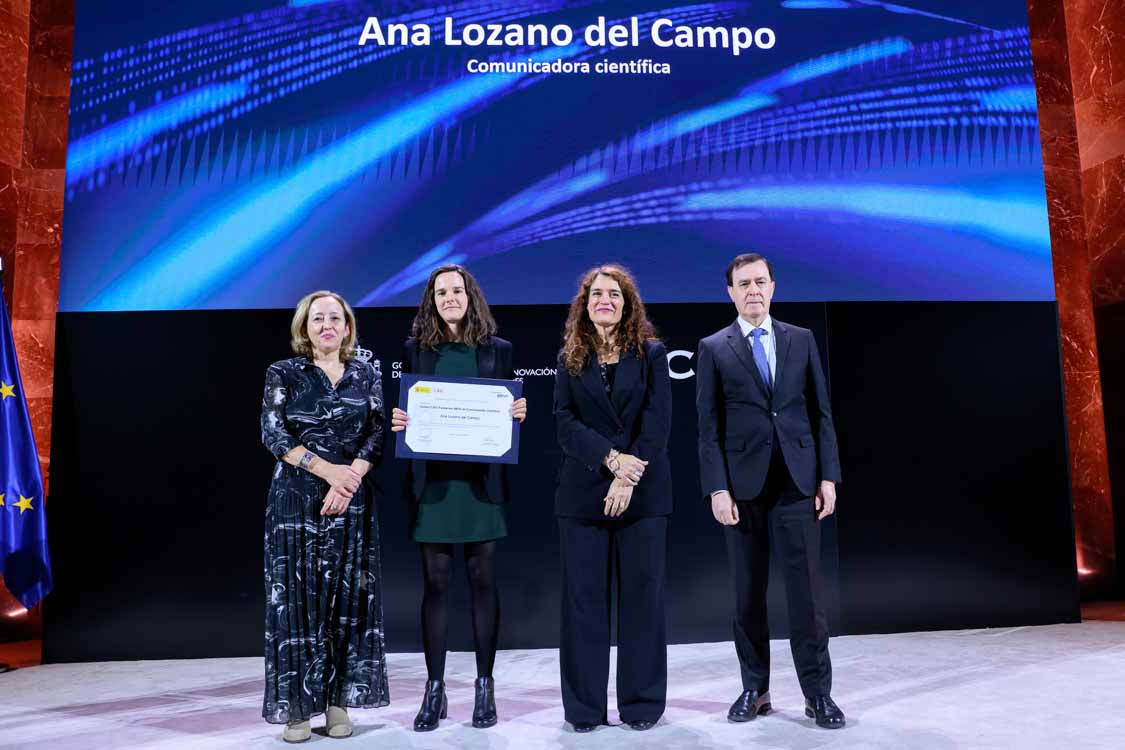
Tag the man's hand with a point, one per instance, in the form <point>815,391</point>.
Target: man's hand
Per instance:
<point>825,500</point>
<point>724,508</point>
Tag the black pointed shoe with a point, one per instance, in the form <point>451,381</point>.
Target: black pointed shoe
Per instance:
<point>641,725</point>
<point>749,704</point>
<point>484,704</point>
<point>583,728</point>
<point>825,711</point>
<point>434,707</point>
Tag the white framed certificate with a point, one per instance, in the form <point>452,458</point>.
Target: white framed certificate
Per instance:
<point>459,419</point>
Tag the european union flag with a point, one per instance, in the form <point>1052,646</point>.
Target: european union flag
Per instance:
<point>24,559</point>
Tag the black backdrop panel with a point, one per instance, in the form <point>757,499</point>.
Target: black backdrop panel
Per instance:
<point>954,510</point>
<point>955,500</point>
<point>1111,360</point>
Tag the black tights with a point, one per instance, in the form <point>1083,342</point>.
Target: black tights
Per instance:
<point>437,567</point>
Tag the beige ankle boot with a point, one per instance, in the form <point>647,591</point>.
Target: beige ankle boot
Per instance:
<point>297,731</point>
<point>337,723</point>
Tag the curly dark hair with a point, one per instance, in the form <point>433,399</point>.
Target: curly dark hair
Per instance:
<point>477,327</point>
<point>580,338</point>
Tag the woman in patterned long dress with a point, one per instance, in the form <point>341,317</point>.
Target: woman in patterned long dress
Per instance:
<point>323,418</point>
<point>457,502</point>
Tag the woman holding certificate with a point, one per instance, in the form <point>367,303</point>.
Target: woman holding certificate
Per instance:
<point>613,403</point>
<point>322,418</point>
<point>457,502</point>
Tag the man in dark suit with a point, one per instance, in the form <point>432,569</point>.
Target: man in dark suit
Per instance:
<point>769,465</point>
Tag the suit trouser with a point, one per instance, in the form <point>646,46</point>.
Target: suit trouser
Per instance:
<point>589,550</point>
<point>783,518</point>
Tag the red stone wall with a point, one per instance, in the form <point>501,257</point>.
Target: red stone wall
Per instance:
<point>1079,52</point>
<point>35,90</point>
<point>36,37</point>
<point>1096,38</point>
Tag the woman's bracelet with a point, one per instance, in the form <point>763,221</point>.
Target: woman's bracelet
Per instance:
<point>306,460</point>
<point>611,461</point>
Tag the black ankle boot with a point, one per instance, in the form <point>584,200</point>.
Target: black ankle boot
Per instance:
<point>434,707</point>
<point>484,705</point>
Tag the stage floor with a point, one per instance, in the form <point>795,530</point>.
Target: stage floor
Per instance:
<point>1053,687</point>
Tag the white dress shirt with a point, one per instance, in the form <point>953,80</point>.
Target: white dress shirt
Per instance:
<point>769,341</point>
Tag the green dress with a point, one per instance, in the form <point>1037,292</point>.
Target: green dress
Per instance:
<point>454,506</point>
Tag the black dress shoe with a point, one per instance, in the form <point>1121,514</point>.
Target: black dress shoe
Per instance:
<point>641,724</point>
<point>484,704</point>
<point>582,728</point>
<point>434,707</point>
<point>749,704</point>
<point>825,711</point>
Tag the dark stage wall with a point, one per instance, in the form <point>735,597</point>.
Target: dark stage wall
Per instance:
<point>954,511</point>
<point>1111,359</point>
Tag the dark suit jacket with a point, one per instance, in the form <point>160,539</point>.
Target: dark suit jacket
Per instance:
<point>494,360</point>
<point>739,420</point>
<point>635,421</point>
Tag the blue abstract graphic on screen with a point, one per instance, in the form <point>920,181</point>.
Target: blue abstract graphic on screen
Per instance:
<point>240,154</point>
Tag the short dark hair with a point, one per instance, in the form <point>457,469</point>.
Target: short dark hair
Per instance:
<point>744,260</point>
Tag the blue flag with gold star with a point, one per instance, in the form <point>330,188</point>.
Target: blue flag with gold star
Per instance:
<point>24,559</point>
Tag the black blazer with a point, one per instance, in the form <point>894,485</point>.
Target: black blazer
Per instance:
<point>494,360</point>
<point>739,420</point>
<point>636,421</point>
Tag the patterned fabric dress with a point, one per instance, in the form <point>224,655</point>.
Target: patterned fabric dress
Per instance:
<point>324,610</point>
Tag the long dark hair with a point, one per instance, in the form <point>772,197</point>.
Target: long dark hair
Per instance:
<point>477,327</point>
<point>580,338</point>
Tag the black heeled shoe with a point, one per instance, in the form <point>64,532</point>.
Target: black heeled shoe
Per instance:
<point>484,704</point>
<point>434,707</point>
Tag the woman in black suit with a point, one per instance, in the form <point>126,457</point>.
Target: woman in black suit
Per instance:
<point>613,404</point>
<point>457,502</point>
